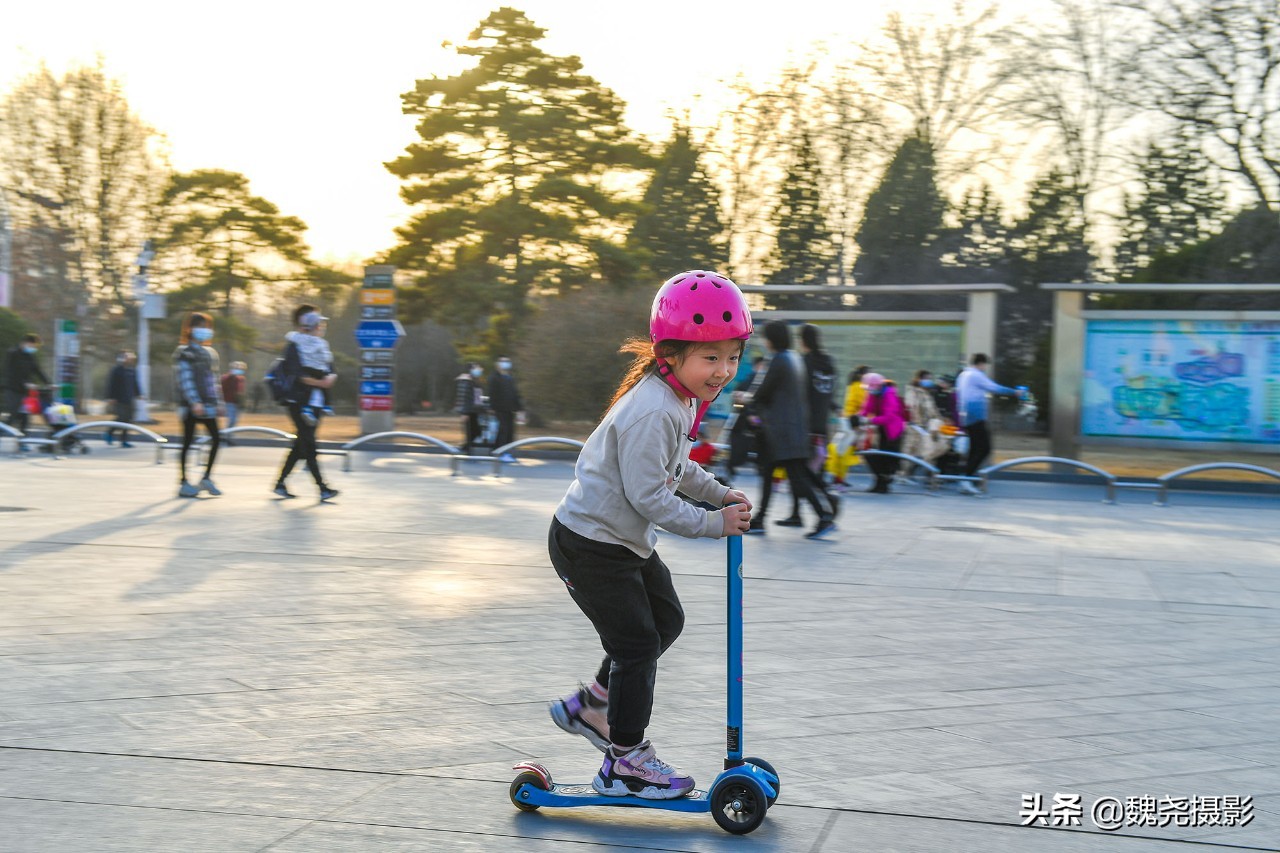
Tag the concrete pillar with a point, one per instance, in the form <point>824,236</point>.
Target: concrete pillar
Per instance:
<point>1066,373</point>
<point>980,326</point>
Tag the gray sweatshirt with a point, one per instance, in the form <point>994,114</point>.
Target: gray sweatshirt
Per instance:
<point>628,473</point>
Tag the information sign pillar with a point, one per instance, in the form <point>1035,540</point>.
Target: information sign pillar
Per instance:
<point>377,335</point>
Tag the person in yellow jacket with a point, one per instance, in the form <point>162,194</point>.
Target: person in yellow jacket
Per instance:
<point>842,452</point>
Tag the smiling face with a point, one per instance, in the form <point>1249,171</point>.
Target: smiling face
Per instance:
<point>706,368</point>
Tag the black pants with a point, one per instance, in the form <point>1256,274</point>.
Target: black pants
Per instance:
<point>803,485</point>
<point>304,446</point>
<point>979,446</point>
<point>884,467</point>
<point>14,400</point>
<point>122,412</point>
<point>470,430</point>
<point>189,423</point>
<point>634,607</point>
<point>506,428</point>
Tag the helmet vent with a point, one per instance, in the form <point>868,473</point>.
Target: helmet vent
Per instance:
<point>728,316</point>
<point>693,286</point>
<point>697,318</point>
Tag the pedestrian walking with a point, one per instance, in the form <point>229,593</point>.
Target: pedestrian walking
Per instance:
<point>883,418</point>
<point>233,392</point>
<point>821,371</point>
<point>469,403</point>
<point>922,438</point>
<point>602,537</point>
<point>199,397</point>
<point>123,391</point>
<point>972,389</point>
<point>21,372</point>
<point>504,401</point>
<point>783,406</point>
<point>306,402</point>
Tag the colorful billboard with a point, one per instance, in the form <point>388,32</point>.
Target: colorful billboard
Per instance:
<point>1190,380</point>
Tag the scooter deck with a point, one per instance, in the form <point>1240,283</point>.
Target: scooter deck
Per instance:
<point>568,796</point>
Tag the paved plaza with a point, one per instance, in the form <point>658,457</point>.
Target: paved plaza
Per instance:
<point>245,673</point>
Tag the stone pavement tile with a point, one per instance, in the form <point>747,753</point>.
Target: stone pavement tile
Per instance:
<point>334,837</point>
<point>162,783</point>
<point>908,834</point>
<point>36,826</point>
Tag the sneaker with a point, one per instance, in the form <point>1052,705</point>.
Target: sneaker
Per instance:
<point>507,458</point>
<point>109,438</point>
<point>282,491</point>
<point>968,488</point>
<point>186,490</point>
<point>824,529</point>
<point>577,716</point>
<point>124,443</point>
<point>640,773</point>
<point>756,528</point>
<point>328,493</point>
<point>206,485</point>
<point>790,521</point>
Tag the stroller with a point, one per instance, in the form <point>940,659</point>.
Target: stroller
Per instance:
<point>57,417</point>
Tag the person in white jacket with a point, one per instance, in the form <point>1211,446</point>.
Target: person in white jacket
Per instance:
<point>972,387</point>
<point>603,535</point>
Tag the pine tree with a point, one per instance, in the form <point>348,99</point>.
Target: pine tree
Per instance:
<point>679,227</point>
<point>805,249</point>
<point>1178,204</point>
<point>509,178</point>
<point>898,239</point>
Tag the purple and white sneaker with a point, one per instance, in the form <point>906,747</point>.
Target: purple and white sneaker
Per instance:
<point>640,773</point>
<point>577,716</point>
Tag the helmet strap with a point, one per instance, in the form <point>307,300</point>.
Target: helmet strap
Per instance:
<point>669,376</point>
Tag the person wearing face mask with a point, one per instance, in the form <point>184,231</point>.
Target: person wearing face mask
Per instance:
<point>233,388</point>
<point>199,397</point>
<point>504,400</point>
<point>469,402</point>
<point>21,370</point>
<point>883,415</point>
<point>122,390</point>
<point>922,438</point>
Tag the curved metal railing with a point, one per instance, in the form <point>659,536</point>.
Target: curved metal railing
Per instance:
<point>498,456</point>
<point>1108,478</point>
<point>57,436</point>
<point>364,439</point>
<point>1165,480</point>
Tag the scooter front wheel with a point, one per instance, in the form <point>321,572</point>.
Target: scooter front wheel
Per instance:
<point>738,804</point>
<point>768,768</point>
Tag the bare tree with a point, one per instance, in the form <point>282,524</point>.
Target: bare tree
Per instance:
<point>83,174</point>
<point>1214,66</point>
<point>1068,77</point>
<point>940,75</point>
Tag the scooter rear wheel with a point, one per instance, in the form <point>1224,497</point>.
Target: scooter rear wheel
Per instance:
<point>530,778</point>
<point>738,804</point>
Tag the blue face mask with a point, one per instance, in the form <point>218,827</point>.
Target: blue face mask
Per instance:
<point>926,383</point>
<point>29,350</point>
<point>202,334</point>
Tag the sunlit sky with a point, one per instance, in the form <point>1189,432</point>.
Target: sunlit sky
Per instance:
<point>304,99</point>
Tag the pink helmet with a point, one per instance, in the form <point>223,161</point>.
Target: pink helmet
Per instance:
<point>872,381</point>
<point>699,305</point>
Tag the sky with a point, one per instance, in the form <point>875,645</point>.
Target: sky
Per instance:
<point>304,98</point>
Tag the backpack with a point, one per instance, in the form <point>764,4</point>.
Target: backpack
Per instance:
<point>278,381</point>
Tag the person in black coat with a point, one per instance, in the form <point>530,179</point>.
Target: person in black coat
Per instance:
<point>504,400</point>
<point>782,403</point>
<point>122,390</point>
<point>21,370</point>
<point>469,402</point>
<point>821,372</point>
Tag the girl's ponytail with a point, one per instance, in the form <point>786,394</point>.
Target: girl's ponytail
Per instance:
<point>643,360</point>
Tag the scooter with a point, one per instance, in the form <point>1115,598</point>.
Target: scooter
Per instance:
<point>741,794</point>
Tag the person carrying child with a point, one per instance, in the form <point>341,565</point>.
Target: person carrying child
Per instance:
<point>602,535</point>
<point>317,362</point>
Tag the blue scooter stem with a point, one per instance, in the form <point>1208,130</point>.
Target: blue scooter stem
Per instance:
<point>733,598</point>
